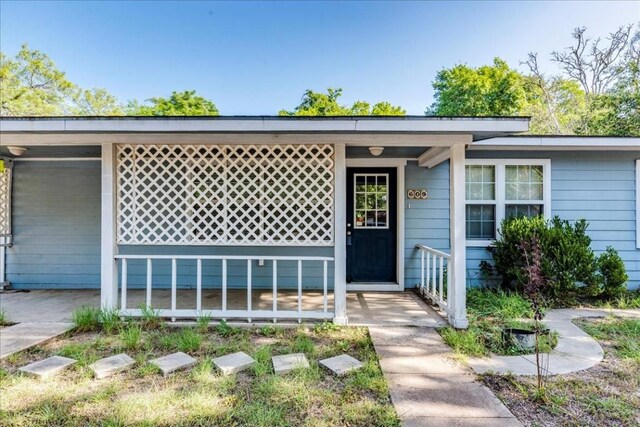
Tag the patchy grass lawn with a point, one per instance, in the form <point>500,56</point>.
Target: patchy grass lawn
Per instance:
<point>605,395</point>
<point>489,313</point>
<point>201,397</point>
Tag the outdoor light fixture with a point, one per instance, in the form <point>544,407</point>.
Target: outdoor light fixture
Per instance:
<point>376,151</point>
<point>16,151</point>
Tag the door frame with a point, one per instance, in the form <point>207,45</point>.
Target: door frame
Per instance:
<point>399,164</point>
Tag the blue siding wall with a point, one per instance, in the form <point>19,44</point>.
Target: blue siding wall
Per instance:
<point>426,221</point>
<point>596,186</point>
<point>56,225</point>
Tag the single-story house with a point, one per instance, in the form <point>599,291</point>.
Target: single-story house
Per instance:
<point>268,205</point>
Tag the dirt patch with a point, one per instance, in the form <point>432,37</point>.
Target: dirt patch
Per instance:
<point>606,395</point>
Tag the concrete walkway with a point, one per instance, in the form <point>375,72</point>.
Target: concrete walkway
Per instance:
<point>24,335</point>
<point>427,387</point>
<point>576,350</point>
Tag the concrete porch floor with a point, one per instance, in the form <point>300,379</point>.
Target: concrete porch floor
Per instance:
<point>363,308</point>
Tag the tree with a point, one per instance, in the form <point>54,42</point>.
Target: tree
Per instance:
<point>489,90</point>
<point>95,102</point>
<point>185,103</point>
<point>326,104</point>
<point>32,85</point>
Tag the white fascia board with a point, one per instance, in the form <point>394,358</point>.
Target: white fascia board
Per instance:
<point>445,125</point>
<point>575,143</point>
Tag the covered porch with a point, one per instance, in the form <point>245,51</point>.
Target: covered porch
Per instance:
<point>266,217</point>
<point>364,308</point>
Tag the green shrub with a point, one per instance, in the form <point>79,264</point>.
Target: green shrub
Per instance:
<point>612,273</point>
<point>568,262</point>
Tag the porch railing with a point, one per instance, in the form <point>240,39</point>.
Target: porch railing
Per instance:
<point>433,275</point>
<point>224,313</point>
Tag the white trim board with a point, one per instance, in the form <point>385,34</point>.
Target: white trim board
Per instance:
<point>399,164</point>
<point>638,203</point>
<point>500,200</point>
<point>568,143</point>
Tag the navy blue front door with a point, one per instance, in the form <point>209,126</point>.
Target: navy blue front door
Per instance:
<point>371,225</point>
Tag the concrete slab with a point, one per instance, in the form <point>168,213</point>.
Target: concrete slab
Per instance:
<point>460,422</point>
<point>25,335</point>
<point>411,360</point>
<point>233,363</point>
<point>437,396</point>
<point>289,362</point>
<point>502,365</point>
<point>406,336</point>
<point>48,367</point>
<point>341,365</point>
<point>174,362</point>
<point>111,365</point>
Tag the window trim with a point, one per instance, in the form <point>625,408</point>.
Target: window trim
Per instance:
<point>500,190</point>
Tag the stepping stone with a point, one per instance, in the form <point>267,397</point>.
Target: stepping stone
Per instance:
<point>111,365</point>
<point>340,365</point>
<point>174,362</point>
<point>232,363</point>
<point>48,367</point>
<point>289,362</point>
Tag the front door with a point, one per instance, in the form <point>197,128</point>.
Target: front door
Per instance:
<point>371,225</point>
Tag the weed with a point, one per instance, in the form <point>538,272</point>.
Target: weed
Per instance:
<point>86,319</point>
<point>131,336</point>
<point>3,318</point>
<point>224,330</point>
<point>110,320</point>
<point>150,318</point>
<point>325,327</point>
<point>189,340</point>
<point>468,342</point>
<point>262,357</point>
<point>270,331</point>
<point>203,320</point>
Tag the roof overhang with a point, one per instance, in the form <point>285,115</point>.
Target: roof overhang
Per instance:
<point>400,131</point>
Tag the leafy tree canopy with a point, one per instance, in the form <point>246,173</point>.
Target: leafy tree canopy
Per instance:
<point>326,104</point>
<point>490,90</point>
<point>32,85</point>
<point>185,103</point>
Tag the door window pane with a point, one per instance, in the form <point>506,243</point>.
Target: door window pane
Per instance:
<point>371,201</point>
<point>481,221</point>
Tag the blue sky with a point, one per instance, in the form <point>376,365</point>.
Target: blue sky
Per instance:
<point>259,57</point>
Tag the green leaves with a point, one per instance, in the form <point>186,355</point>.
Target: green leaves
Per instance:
<point>185,103</point>
<point>326,104</point>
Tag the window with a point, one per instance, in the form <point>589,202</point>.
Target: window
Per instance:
<point>498,189</point>
<point>371,194</point>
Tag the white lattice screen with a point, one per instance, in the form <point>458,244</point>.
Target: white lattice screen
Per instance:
<point>225,194</point>
<point>5,202</point>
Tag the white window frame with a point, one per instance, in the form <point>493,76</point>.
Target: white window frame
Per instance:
<point>500,190</point>
<point>637,203</point>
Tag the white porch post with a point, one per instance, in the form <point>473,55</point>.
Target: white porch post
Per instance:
<point>340,237</point>
<point>457,286</point>
<point>109,249</point>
